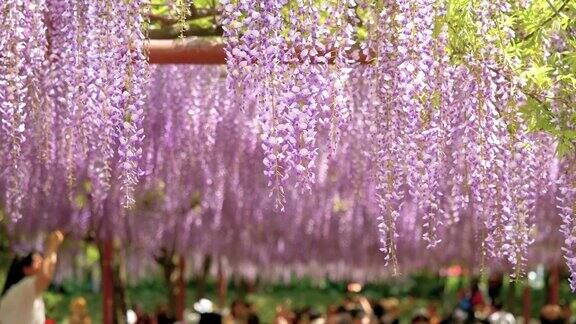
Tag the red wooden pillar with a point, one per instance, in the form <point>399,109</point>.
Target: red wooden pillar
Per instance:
<point>181,294</point>
<point>222,286</point>
<point>554,292</point>
<point>107,283</point>
<point>527,303</point>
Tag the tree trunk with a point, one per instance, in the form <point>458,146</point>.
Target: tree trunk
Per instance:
<point>222,286</point>
<point>169,264</point>
<point>173,268</point>
<point>511,295</point>
<point>203,277</point>
<point>241,288</point>
<point>181,291</point>
<point>119,281</point>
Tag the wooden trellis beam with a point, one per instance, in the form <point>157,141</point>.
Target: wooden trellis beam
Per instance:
<point>200,51</point>
<point>185,52</point>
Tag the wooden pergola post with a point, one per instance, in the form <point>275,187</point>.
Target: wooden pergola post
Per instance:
<point>527,303</point>
<point>222,285</point>
<point>554,291</point>
<point>107,282</point>
<point>181,289</point>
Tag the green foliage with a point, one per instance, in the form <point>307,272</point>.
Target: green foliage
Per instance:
<point>545,64</point>
<point>540,55</point>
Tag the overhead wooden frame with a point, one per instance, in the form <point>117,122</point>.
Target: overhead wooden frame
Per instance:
<point>196,51</point>
<point>206,52</point>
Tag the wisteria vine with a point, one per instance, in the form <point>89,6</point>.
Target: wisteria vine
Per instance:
<point>72,91</point>
<point>360,119</point>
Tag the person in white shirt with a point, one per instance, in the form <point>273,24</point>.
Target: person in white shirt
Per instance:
<point>27,279</point>
<point>500,316</point>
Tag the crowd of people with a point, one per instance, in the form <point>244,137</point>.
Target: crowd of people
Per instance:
<point>203,313</point>
<point>471,309</point>
<point>474,306</point>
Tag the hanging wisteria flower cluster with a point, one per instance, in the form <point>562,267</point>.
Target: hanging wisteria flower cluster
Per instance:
<point>279,67</point>
<point>203,179</point>
<point>357,117</point>
<point>23,45</point>
<point>71,85</point>
<point>444,136</point>
<point>227,198</point>
<point>567,205</point>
